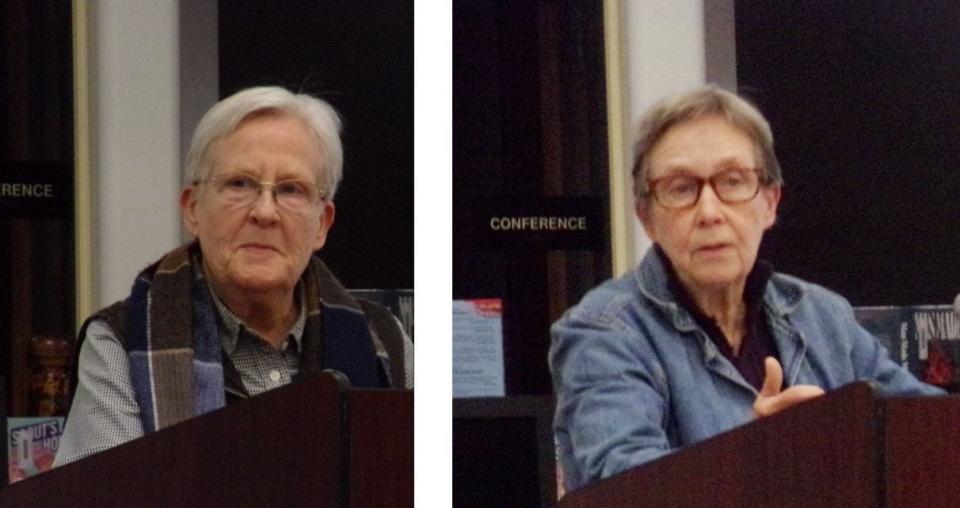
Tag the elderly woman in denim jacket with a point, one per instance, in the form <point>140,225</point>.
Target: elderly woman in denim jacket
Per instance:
<point>701,336</point>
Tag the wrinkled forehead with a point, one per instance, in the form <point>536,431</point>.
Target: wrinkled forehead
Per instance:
<point>707,143</point>
<point>280,114</point>
<point>296,122</point>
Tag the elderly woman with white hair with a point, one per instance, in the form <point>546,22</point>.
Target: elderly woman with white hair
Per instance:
<point>247,306</point>
<point>701,336</point>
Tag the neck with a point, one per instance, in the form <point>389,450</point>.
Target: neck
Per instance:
<point>726,307</point>
<point>270,313</point>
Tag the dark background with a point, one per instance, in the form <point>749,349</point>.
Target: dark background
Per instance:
<point>358,56</point>
<point>36,128</point>
<point>529,127</point>
<point>529,122</point>
<point>861,98</point>
<point>863,101</point>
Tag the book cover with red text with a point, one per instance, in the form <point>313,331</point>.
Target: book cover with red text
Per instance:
<point>32,444</point>
<point>923,338</point>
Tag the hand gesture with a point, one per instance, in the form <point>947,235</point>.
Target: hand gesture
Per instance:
<point>772,399</point>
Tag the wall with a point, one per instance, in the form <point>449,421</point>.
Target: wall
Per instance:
<point>145,101</point>
<point>664,47</point>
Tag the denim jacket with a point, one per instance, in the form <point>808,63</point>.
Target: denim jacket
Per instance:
<point>636,377</point>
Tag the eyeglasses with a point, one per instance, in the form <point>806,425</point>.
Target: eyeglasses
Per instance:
<point>243,190</point>
<point>683,191</point>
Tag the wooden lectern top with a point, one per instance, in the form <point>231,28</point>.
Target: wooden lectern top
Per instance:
<point>849,448</point>
<point>313,443</point>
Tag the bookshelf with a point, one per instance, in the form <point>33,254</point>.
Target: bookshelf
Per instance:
<point>36,229</point>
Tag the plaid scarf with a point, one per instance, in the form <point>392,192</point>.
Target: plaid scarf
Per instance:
<point>172,339</point>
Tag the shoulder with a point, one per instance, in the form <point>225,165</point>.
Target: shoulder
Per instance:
<point>101,344</point>
<point>789,293</point>
<point>611,330</point>
<point>608,305</point>
<point>823,316</point>
<point>107,321</point>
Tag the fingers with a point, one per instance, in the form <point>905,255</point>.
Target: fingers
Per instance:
<point>766,406</point>
<point>771,399</point>
<point>773,377</point>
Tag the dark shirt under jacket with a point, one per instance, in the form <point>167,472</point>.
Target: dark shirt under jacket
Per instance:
<point>757,344</point>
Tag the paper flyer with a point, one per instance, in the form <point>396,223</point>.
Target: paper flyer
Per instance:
<point>478,348</point>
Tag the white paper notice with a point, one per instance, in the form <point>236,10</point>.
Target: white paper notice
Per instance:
<point>478,348</point>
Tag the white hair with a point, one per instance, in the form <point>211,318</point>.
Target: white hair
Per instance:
<point>225,117</point>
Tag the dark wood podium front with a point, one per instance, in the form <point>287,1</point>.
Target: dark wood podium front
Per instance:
<point>849,448</point>
<point>314,443</point>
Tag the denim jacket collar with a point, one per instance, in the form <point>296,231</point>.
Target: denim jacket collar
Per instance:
<point>781,297</point>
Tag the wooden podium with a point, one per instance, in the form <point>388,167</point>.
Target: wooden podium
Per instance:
<point>314,443</point>
<point>849,448</point>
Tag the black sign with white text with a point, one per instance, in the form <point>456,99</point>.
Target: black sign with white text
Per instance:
<point>561,223</point>
<point>41,190</point>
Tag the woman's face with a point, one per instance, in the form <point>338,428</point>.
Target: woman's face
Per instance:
<point>712,244</point>
<point>260,246</point>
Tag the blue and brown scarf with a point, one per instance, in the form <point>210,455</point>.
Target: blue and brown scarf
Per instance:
<point>171,336</point>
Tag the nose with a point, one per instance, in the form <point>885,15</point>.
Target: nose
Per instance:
<point>709,209</point>
<point>264,210</point>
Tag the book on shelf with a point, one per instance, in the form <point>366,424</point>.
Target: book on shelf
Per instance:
<point>923,338</point>
<point>32,443</point>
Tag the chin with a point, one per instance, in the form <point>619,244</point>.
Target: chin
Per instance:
<point>717,278</point>
<point>259,281</point>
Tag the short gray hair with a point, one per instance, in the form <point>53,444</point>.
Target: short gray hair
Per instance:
<point>708,100</point>
<point>225,117</point>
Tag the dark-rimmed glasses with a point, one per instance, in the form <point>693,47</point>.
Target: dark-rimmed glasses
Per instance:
<point>683,191</point>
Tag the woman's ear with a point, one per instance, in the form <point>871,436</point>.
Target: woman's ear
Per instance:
<point>188,209</point>
<point>771,197</point>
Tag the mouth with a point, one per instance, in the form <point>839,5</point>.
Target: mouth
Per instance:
<point>712,248</point>
<point>258,246</point>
